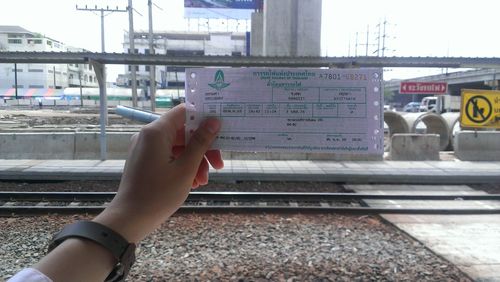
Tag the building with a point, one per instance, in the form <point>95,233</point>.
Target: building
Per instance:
<point>56,76</point>
<point>81,74</point>
<point>180,44</point>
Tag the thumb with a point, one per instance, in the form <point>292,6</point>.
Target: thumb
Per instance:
<point>198,144</point>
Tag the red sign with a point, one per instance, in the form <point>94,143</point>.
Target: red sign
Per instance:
<point>409,87</point>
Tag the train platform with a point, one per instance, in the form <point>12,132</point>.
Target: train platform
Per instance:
<point>400,172</point>
<point>471,242</point>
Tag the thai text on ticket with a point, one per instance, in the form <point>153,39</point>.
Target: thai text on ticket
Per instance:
<point>289,110</point>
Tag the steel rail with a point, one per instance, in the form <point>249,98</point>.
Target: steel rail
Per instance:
<point>37,210</point>
<point>213,202</point>
<point>242,196</point>
<point>246,61</point>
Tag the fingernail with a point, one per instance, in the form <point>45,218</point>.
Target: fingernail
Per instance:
<point>212,125</point>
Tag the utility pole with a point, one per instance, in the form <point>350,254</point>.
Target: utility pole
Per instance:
<point>349,48</point>
<point>132,51</point>
<point>383,39</point>
<point>100,72</point>
<point>101,10</point>
<point>367,38</point>
<point>378,39</point>
<point>152,68</point>
<point>356,46</point>
<point>367,44</point>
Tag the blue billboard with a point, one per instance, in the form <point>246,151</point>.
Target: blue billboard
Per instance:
<point>222,4</point>
<point>220,9</point>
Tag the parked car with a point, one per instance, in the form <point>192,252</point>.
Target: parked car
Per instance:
<point>412,107</point>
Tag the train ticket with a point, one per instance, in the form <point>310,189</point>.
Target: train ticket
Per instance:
<point>289,110</point>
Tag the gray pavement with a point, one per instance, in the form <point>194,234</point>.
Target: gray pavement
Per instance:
<point>400,172</point>
<point>471,242</point>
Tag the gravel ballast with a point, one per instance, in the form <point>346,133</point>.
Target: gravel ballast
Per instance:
<point>252,247</point>
<point>112,186</point>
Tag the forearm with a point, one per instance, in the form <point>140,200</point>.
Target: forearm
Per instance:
<point>155,182</point>
<point>77,260</point>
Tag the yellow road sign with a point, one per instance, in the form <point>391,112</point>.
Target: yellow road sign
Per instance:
<point>480,108</point>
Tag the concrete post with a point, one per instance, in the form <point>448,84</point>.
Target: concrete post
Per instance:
<point>100,72</point>
<point>132,51</point>
<point>292,28</point>
<point>256,40</point>
<point>152,68</point>
<point>309,28</point>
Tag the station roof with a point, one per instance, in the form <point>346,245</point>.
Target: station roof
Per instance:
<point>13,29</point>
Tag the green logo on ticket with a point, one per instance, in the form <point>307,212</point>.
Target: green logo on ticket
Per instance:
<point>219,83</point>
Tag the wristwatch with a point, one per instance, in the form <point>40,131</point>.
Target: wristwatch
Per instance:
<point>121,249</point>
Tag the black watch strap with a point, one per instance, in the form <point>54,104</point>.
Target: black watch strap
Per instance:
<point>122,250</point>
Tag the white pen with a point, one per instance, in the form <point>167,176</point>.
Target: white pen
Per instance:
<point>136,114</point>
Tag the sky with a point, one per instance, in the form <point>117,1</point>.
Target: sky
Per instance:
<point>414,28</point>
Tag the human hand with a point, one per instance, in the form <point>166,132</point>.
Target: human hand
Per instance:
<point>159,174</point>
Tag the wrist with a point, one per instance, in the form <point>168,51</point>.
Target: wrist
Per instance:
<point>128,226</point>
<point>100,241</point>
<point>94,260</point>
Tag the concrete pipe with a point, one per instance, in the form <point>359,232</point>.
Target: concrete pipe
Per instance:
<point>396,124</point>
<point>434,123</point>
<point>453,126</point>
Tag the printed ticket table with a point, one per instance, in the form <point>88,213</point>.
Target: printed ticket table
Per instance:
<point>289,110</point>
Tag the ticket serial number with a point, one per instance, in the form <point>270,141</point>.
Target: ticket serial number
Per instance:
<point>345,76</point>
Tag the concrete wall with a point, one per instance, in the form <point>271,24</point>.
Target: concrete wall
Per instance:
<point>299,156</point>
<point>86,145</point>
<point>37,145</point>
<point>66,146</point>
<point>24,102</point>
<point>292,28</point>
<point>414,147</point>
<point>477,145</point>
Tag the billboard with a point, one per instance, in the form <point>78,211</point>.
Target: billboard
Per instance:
<point>221,4</point>
<point>220,9</point>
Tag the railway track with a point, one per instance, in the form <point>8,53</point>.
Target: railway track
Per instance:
<point>35,203</point>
